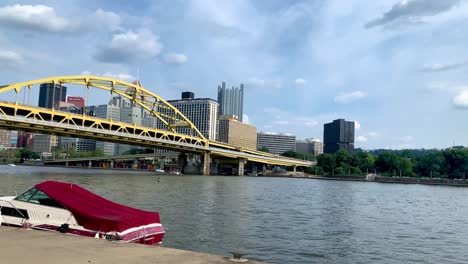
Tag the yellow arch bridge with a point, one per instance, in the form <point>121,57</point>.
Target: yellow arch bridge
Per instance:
<point>167,135</point>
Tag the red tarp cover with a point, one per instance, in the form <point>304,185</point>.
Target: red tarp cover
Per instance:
<point>94,212</point>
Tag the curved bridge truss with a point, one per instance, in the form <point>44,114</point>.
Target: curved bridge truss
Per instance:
<point>17,116</point>
<point>169,117</point>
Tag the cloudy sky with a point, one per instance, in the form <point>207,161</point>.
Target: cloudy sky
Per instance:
<point>399,68</point>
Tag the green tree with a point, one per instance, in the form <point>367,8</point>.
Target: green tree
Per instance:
<point>264,149</point>
<point>364,161</point>
<point>387,162</point>
<point>405,166</point>
<point>455,162</point>
<point>327,162</point>
<point>342,158</point>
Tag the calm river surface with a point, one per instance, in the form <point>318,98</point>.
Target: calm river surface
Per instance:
<point>281,220</point>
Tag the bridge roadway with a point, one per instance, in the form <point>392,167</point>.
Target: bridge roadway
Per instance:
<point>15,116</point>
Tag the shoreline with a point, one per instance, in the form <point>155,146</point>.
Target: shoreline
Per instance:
<point>53,247</point>
<point>378,179</point>
<point>299,175</point>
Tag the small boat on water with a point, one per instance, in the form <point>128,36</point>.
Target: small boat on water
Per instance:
<point>12,165</point>
<point>69,208</point>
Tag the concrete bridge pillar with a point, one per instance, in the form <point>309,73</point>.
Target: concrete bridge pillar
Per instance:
<point>240,171</point>
<point>112,164</point>
<point>206,163</point>
<point>182,161</point>
<point>90,163</point>
<point>294,168</point>
<point>135,164</point>
<point>66,163</point>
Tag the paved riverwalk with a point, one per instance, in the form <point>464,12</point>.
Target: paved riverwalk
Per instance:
<point>30,246</point>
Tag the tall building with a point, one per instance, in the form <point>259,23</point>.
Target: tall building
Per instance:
<point>188,95</point>
<point>203,112</point>
<point>310,146</point>
<point>338,134</point>
<point>77,101</point>
<point>44,143</point>
<point>231,101</point>
<point>276,143</point>
<point>107,112</point>
<point>24,139</point>
<point>235,133</point>
<point>50,95</point>
<point>5,138</point>
<point>77,144</point>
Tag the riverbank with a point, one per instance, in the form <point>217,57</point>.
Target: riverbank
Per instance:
<point>31,246</point>
<point>379,179</point>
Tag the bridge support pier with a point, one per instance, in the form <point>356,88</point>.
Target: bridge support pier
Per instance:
<point>135,164</point>
<point>294,168</point>
<point>240,171</point>
<point>112,164</point>
<point>90,163</point>
<point>66,163</point>
<point>206,163</point>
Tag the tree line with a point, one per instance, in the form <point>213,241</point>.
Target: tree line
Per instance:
<point>447,163</point>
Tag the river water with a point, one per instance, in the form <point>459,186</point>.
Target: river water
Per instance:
<point>282,220</point>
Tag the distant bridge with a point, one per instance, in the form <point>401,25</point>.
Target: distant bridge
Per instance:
<point>16,116</point>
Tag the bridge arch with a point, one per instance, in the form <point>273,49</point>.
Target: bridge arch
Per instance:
<point>165,112</point>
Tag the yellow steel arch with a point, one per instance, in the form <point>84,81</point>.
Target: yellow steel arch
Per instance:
<point>170,116</point>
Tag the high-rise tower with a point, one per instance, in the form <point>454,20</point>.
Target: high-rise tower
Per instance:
<point>338,134</point>
<point>50,95</point>
<point>231,101</point>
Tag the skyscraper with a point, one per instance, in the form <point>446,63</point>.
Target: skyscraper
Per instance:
<point>338,134</point>
<point>276,143</point>
<point>236,133</point>
<point>203,112</point>
<point>231,101</point>
<point>51,96</point>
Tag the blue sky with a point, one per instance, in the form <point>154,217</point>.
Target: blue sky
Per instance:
<point>398,68</point>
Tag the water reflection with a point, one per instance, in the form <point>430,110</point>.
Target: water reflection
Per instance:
<point>282,220</point>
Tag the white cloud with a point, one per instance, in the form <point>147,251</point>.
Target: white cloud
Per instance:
<point>105,20</point>
<point>130,47</point>
<point>175,58</point>
<point>245,118</point>
<point>437,67</point>
<point>361,139</point>
<point>256,82</point>
<point>33,17</point>
<point>121,76</point>
<point>357,125</point>
<point>461,99</point>
<point>406,139</point>
<point>44,19</point>
<point>373,134</point>
<point>411,11</point>
<point>280,122</point>
<point>10,59</point>
<point>300,81</point>
<point>350,97</point>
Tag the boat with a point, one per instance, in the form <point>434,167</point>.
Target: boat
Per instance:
<point>160,171</point>
<point>68,208</point>
<point>12,165</point>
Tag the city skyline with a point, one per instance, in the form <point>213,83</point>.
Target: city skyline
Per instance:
<point>303,63</point>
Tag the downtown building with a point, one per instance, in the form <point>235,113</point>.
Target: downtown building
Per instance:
<point>276,143</point>
<point>235,133</point>
<point>50,95</point>
<point>231,101</point>
<point>337,135</point>
<point>310,146</point>
<point>203,112</point>
<point>5,136</point>
<point>107,112</point>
